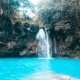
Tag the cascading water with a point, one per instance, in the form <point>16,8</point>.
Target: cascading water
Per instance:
<point>55,49</point>
<point>44,46</point>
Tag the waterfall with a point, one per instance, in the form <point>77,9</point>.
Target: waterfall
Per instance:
<point>55,49</point>
<point>44,46</point>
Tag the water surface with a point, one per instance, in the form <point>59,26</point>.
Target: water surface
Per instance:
<point>26,68</point>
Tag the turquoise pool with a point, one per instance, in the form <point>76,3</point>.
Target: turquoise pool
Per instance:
<point>26,68</point>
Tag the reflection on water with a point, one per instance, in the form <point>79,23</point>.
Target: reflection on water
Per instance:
<point>31,69</point>
<point>42,71</point>
<point>41,76</point>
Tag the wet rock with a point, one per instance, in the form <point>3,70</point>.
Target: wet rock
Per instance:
<point>32,47</point>
<point>22,39</point>
<point>22,53</point>
<point>11,44</point>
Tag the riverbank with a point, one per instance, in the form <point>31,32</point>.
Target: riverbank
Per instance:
<point>49,76</point>
<point>68,57</point>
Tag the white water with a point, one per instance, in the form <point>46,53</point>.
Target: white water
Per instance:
<point>44,47</point>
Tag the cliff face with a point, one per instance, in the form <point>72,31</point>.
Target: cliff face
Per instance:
<point>67,38</point>
<point>17,39</point>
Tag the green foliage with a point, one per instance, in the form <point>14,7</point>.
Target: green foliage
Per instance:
<point>14,38</point>
<point>63,16</point>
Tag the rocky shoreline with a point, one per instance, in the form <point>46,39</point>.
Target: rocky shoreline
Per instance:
<point>49,76</point>
<point>64,77</point>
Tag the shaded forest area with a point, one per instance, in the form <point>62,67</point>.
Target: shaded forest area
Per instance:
<point>18,34</point>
